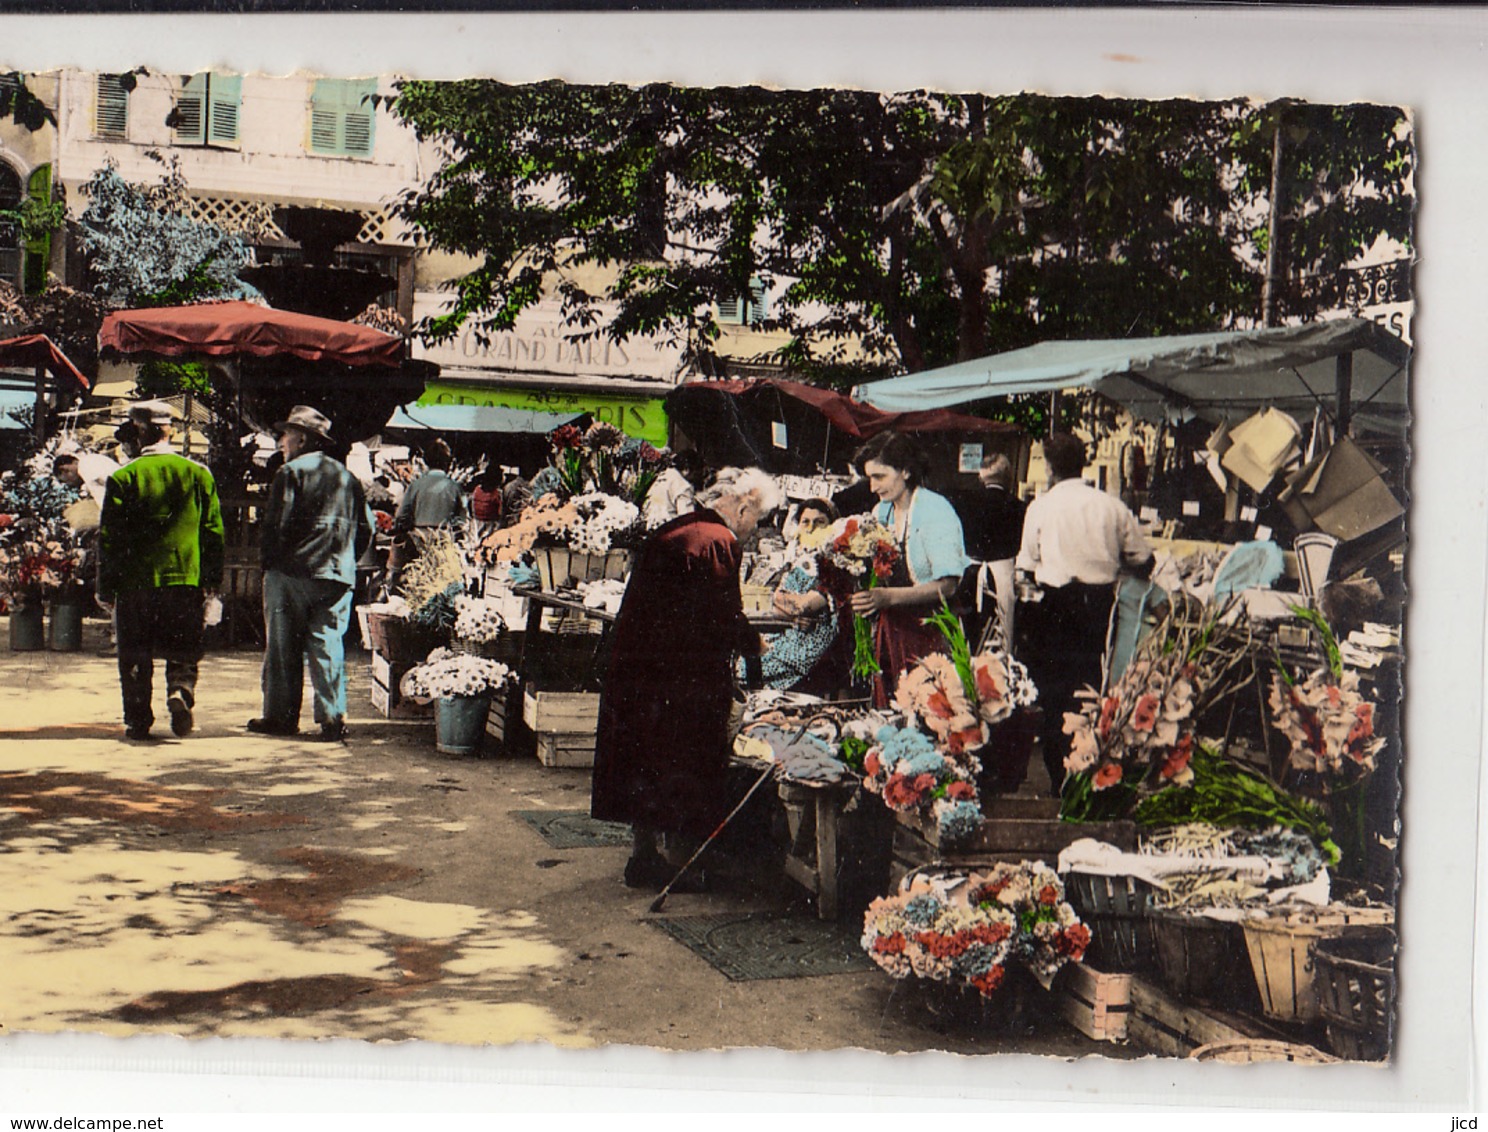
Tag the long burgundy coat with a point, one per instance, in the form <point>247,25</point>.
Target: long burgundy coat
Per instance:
<point>661,752</point>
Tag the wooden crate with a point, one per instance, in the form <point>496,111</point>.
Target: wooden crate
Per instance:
<point>387,700</point>
<point>565,750</point>
<point>560,712</point>
<point>1167,1026</point>
<point>1094,1002</point>
<point>1014,828</point>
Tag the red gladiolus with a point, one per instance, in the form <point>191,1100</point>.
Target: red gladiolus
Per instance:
<point>1107,715</point>
<point>1109,774</point>
<point>565,437</point>
<point>939,703</point>
<point>1144,715</point>
<point>1178,758</point>
<point>986,686</point>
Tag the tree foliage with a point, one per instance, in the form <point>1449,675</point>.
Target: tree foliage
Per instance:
<point>920,228</point>
<point>144,249</point>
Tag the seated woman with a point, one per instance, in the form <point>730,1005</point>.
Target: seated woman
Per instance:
<point>931,561</point>
<point>796,655</point>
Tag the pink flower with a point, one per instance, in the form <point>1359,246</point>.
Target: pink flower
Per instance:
<point>1108,775</point>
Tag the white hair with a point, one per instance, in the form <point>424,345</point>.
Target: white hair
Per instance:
<point>751,483</point>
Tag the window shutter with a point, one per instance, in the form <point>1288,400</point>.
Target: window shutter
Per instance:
<point>39,249</point>
<point>224,95</point>
<point>111,113</point>
<point>342,120</point>
<point>728,310</point>
<point>758,310</point>
<point>191,109</point>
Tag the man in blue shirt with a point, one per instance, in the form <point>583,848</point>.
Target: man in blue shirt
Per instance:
<point>317,526</point>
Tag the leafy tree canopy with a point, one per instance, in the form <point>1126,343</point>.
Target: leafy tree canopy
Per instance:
<point>927,228</point>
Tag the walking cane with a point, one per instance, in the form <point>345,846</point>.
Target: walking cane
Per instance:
<point>758,782</point>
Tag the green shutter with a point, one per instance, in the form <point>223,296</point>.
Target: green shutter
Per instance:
<point>342,120</point>
<point>224,94</point>
<point>39,249</point>
<point>111,112</point>
<point>191,110</point>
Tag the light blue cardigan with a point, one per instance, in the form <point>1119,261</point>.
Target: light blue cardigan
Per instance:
<point>935,547</point>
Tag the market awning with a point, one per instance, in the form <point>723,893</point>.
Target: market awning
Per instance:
<point>37,351</point>
<point>1226,374</point>
<point>238,328</point>
<point>784,426</point>
<point>477,418</point>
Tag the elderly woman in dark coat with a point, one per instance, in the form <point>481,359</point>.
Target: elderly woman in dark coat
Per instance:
<point>661,752</point>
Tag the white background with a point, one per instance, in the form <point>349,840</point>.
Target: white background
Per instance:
<point>1432,61</point>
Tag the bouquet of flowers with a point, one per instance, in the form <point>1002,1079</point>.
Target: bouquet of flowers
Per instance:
<point>589,461</point>
<point>477,620</point>
<point>37,556</point>
<point>957,697</point>
<point>1329,724</point>
<point>601,521</point>
<point>1049,934</point>
<point>545,517</point>
<point>860,553</point>
<point>922,932</point>
<point>1140,733</point>
<point>433,580</point>
<point>904,768</point>
<point>446,674</point>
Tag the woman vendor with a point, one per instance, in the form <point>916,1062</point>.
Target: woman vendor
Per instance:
<point>930,565</point>
<point>794,655</point>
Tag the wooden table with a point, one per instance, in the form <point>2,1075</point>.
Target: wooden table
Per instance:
<point>812,811</point>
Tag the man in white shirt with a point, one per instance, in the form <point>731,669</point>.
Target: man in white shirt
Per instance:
<point>1076,541</point>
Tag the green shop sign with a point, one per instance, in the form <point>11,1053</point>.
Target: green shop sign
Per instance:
<point>642,417</point>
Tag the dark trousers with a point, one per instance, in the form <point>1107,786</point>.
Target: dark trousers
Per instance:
<point>167,623</point>
<point>1065,647</point>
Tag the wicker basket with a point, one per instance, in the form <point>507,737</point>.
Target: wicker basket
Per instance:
<point>400,640</point>
<point>1203,958</point>
<point>1250,1050</point>
<point>1114,908</point>
<point>1355,982</point>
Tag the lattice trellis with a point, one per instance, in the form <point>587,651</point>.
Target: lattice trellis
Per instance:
<point>256,218</point>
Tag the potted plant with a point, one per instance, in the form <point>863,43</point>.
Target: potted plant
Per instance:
<point>460,686</point>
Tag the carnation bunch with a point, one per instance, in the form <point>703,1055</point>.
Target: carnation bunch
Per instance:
<point>1049,933</point>
<point>446,674</point>
<point>904,768</point>
<point>922,932</point>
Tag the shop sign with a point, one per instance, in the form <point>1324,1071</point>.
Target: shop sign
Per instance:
<point>541,344</point>
<point>641,417</point>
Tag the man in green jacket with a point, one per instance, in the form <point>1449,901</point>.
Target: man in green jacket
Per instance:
<point>160,545</point>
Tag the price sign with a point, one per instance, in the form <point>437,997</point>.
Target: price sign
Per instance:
<point>1191,507</point>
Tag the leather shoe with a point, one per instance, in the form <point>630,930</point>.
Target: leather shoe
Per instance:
<point>656,872</point>
<point>332,731</point>
<point>180,713</point>
<point>269,727</point>
<point>139,732</point>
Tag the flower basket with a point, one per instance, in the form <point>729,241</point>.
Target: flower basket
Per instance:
<point>559,567</point>
<point>1280,949</point>
<point>1199,957</point>
<point>399,639</point>
<point>1355,982</point>
<point>1115,909</point>
<point>1248,1051</point>
<point>460,723</point>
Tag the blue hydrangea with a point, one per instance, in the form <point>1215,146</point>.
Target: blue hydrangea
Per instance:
<point>900,743</point>
<point>960,821</point>
<point>976,960</point>
<point>922,910</point>
<point>930,762</point>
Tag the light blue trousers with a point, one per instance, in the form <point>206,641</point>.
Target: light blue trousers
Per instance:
<point>304,618</point>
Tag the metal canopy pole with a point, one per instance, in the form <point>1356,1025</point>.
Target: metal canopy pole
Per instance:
<point>1344,376</point>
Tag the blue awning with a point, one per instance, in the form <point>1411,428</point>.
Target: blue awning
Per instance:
<point>1225,374</point>
<point>477,418</point>
<point>13,397</point>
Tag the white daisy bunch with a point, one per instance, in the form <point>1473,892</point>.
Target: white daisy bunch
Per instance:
<point>477,620</point>
<point>446,674</point>
<point>601,518</point>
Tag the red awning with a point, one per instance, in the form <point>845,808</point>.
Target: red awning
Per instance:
<point>858,419</point>
<point>32,350</point>
<point>224,329</point>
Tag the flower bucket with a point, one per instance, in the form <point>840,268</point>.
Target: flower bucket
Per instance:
<point>65,630</point>
<point>27,625</point>
<point>460,723</point>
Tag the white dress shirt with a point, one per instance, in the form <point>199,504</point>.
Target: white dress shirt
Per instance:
<point>1075,532</point>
